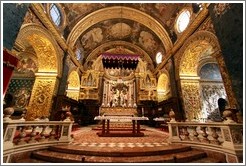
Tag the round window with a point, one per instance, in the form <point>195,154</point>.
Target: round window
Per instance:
<point>183,21</point>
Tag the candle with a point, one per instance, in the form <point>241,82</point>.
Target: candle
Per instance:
<point>142,111</point>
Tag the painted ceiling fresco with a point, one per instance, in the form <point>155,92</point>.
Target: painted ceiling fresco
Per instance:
<point>119,29</point>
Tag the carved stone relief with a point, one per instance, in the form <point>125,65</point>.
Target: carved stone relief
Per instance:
<point>45,52</point>
<point>191,97</point>
<point>190,59</point>
<point>211,92</point>
<point>41,98</point>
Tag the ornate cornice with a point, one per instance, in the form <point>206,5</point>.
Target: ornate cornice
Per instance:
<point>192,27</point>
<point>119,12</point>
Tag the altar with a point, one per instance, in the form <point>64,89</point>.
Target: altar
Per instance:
<point>105,132</point>
<point>118,111</point>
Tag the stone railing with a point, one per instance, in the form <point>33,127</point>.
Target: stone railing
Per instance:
<point>226,138</point>
<point>22,136</point>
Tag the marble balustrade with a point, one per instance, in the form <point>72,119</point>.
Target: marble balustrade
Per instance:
<point>226,138</point>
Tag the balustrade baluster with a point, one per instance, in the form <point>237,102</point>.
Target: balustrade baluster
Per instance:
<point>215,136</point>
<point>195,134</point>
<point>204,135</point>
<point>33,135</point>
<point>42,134</point>
<point>52,133</point>
<point>22,136</point>
<point>186,134</point>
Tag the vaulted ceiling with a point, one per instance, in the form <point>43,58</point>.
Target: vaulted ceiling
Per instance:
<point>144,29</point>
<point>137,28</point>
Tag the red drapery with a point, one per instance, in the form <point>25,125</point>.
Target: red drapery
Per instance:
<point>9,63</point>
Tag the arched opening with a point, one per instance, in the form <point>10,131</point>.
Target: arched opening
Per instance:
<point>73,85</point>
<point>44,48</point>
<point>197,51</point>
<point>163,88</point>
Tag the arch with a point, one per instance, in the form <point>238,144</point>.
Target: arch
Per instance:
<point>163,88</point>
<point>45,47</point>
<point>49,66</point>
<point>192,51</point>
<point>73,85</point>
<point>119,12</point>
<point>200,47</point>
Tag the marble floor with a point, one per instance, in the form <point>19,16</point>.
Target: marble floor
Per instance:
<point>86,137</point>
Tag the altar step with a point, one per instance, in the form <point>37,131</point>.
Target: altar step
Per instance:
<point>78,154</point>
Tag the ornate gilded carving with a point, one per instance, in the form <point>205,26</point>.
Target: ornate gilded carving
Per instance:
<point>41,98</point>
<point>207,38</point>
<point>191,57</point>
<point>39,11</point>
<point>183,39</point>
<point>119,12</point>
<point>73,80</point>
<point>73,85</point>
<point>163,87</point>
<point>90,79</point>
<point>191,98</point>
<point>220,9</point>
<point>207,25</point>
<point>189,66</point>
<point>22,97</point>
<point>32,35</point>
<point>73,95</point>
<point>45,52</point>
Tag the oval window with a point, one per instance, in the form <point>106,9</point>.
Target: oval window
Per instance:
<point>158,57</point>
<point>55,14</point>
<point>183,20</point>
